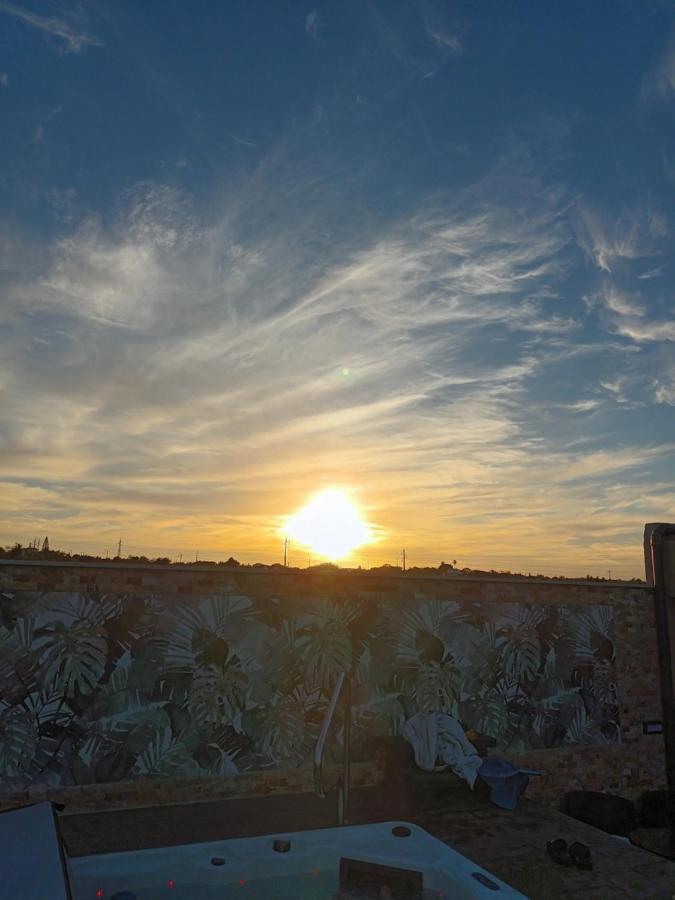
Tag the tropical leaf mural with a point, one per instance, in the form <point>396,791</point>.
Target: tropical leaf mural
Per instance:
<point>99,688</point>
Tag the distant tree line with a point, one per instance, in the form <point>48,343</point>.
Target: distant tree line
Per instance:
<point>41,551</point>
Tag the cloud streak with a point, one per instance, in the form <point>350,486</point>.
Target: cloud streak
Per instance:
<point>73,39</point>
<point>312,24</point>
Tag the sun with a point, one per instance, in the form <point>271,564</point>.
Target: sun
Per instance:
<point>330,525</point>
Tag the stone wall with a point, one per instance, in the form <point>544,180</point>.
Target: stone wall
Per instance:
<point>127,684</point>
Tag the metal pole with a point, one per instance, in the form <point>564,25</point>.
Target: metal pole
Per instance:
<point>663,628</point>
<point>346,749</point>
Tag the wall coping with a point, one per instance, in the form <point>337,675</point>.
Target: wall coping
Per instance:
<point>342,573</point>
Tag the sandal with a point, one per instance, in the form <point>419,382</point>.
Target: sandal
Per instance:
<point>581,856</point>
<point>557,850</point>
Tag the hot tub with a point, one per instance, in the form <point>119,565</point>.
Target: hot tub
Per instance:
<point>305,865</point>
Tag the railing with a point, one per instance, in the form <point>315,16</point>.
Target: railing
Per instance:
<point>341,784</point>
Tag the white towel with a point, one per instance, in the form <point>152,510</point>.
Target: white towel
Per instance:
<point>440,743</point>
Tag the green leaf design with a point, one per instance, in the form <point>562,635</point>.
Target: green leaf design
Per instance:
<point>415,626</point>
<point>285,738</point>
<point>561,698</point>
<point>437,687</point>
<point>519,642</point>
<point>487,714</point>
<point>326,651</point>
<point>18,741</point>
<point>217,695</point>
<point>138,712</point>
<point>19,665</point>
<point>72,656</point>
<point>69,609</point>
<point>224,764</point>
<point>592,628</point>
<point>164,755</point>
<point>192,633</point>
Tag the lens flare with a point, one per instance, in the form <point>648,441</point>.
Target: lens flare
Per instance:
<point>330,525</point>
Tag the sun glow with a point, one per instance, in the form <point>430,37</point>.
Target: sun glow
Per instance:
<point>330,525</point>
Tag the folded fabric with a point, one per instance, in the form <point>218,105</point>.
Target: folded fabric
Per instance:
<point>506,781</point>
<point>439,743</point>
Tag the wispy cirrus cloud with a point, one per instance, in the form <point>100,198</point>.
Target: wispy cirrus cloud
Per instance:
<point>631,236</point>
<point>582,406</point>
<point>664,390</point>
<point>437,30</point>
<point>629,318</point>
<point>659,83</point>
<point>73,38</point>
<point>312,24</point>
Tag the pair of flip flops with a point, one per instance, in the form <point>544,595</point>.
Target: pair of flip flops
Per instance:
<point>575,855</point>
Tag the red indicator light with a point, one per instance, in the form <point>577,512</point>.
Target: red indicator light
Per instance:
<point>242,882</point>
<point>99,892</point>
<point>171,883</point>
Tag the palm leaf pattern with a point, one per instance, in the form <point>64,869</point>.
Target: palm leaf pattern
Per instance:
<point>115,687</point>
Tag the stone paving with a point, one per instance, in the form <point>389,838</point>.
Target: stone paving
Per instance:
<point>513,847</point>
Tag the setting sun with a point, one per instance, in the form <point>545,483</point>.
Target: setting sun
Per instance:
<point>329,525</point>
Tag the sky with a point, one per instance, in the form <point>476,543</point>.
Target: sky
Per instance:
<point>421,251</point>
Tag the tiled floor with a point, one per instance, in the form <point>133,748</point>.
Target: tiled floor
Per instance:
<point>512,845</point>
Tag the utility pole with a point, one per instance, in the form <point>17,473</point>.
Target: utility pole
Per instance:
<point>119,548</point>
<point>404,559</point>
<point>196,555</point>
<point>285,552</point>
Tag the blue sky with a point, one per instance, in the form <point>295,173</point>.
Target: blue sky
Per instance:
<point>419,250</point>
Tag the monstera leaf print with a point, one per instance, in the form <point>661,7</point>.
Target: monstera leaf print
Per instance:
<point>19,665</point>
<point>460,636</point>
<point>519,642</point>
<point>207,633</point>
<point>72,656</point>
<point>594,634</point>
<point>73,609</point>
<point>582,729</point>
<point>437,688</point>
<point>279,730</point>
<point>49,708</point>
<point>324,640</point>
<point>286,741</point>
<point>379,715</point>
<point>487,714</point>
<point>217,695</point>
<point>223,764</point>
<point>164,755</point>
<point>282,661</point>
<point>137,712</point>
<point>418,630</point>
<point>326,650</point>
<point>18,740</point>
<point>484,656</point>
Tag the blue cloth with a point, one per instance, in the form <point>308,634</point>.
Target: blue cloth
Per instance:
<point>507,782</point>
